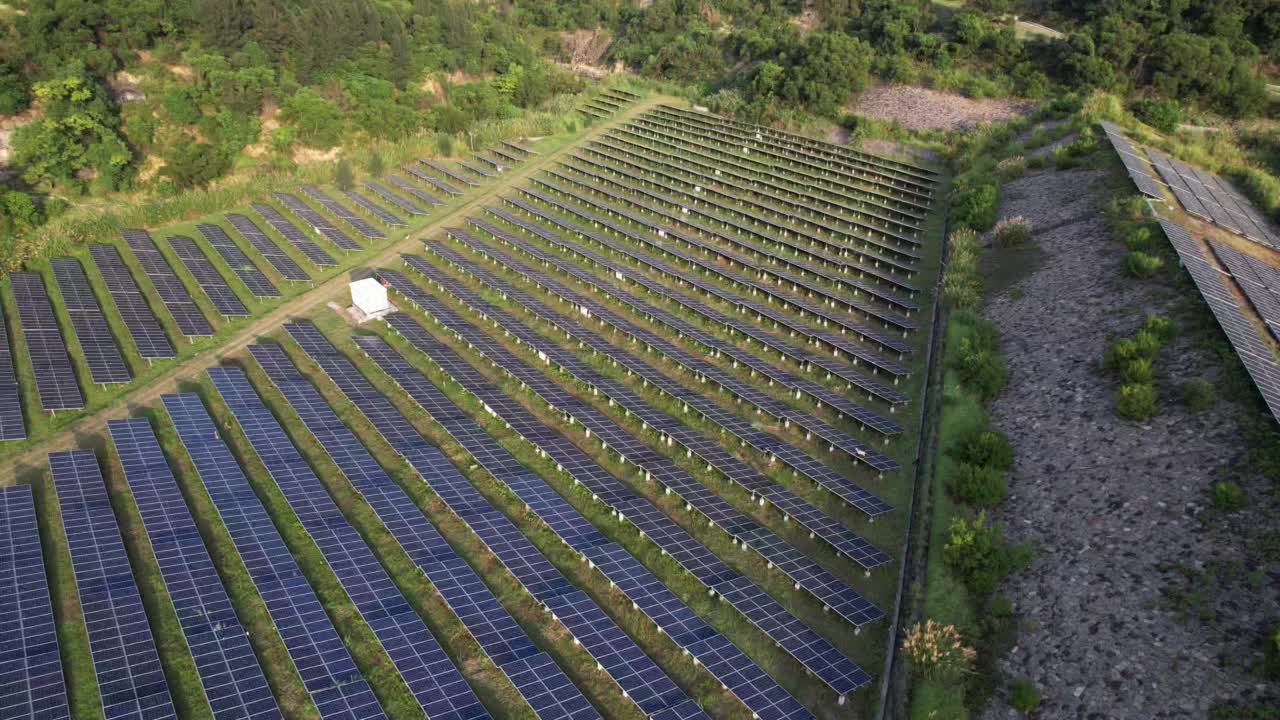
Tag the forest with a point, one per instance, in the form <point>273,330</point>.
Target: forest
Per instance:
<point>336,72</point>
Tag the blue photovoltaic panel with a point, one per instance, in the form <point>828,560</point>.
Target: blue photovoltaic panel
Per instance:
<point>238,261</point>
<point>101,354</point>
<point>318,222</point>
<point>475,605</point>
<point>267,248</point>
<point>186,314</point>
<point>414,190</point>
<point>50,362</point>
<point>130,679</point>
<point>399,201</point>
<point>374,208</point>
<point>207,277</point>
<point>229,672</point>
<point>134,310</point>
<point>429,179</point>
<point>345,214</point>
<point>12,425</point>
<point>431,676</point>
<point>326,668</point>
<point>31,683</point>
<point>293,235</point>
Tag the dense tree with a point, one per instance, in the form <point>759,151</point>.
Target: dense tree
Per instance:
<point>194,164</point>
<point>77,132</point>
<point>317,118</point>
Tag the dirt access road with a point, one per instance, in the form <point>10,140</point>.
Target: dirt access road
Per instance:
<point>33,458</point>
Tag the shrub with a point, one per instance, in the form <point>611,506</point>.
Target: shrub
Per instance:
<point>1138,238</point>
<point>977,552</point>
<point>977,485</point>
<point>988,448</point>
<point>938,651</point>
<point>1159,326</point>
<point>1163,115</point>
<point>1037,162</point>
<point>342,175</point>
<point>1198,394</point>
<point>1136,401</point>
<point>976,207</point>
<point>1228,496</point>
<point>1023,695</point>
<point>961,284</point>
<point>376,166</point>
<point>1271,654</point>
<point>1011,168</point>
<point>980,370</point>
<point>444,145</point>
<point>1013,232</point>
<point>1141,265</point>
<point>1137,371</point>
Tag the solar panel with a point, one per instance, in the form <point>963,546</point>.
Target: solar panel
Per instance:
<point>278,258</point>
<point>148,337</point>
<point>522,148</point>
<point>106,365</point>
<point>344,214</point>
<point>493,627</point>
<point>12,425</point>
<point>31,682</point>
<point>414,190</point>
<point>809,649</point>
<point>172,292</point>
<point>429,179</point>
<point>207,277</point>
<point>547,689</point>
<point>229,672</point>
<point>505,154</point>
<point>322,661</point>
<point>434,681</point>
<point>50,363</point>
<point>238,261</point>
<point>444,170</point>
<point>399,201</point>
<point>293,235</point>
<point>477,169</point>
<point>374,209</point>
<point>130,679</point>
<point>1211,198</point>
<point>320,224</point>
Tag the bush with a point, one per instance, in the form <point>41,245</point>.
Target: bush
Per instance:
<point>977,485</point>
<point>1136,401</point>
<point>981,371</point>
<point>1228,496</point>
<point>376,166</point>
<point>1163,115</point>
<point>343,178</point>
<point>1011,168</point>
<point>1271,654</point>
<point>1037,162</point>
<point>1198,394</point>
<point>1138,238</point>
<point>1013,232</point>
<point>961,283</point>
<point>1159,326</point>
<point>1141,265</point>
<point>977,552</point>
<point>1023,695</point>
<point>938,651</point>
<point>1137,371</point>
<point>987,448</point>
<point>444,145</point>
<point>976,207</point>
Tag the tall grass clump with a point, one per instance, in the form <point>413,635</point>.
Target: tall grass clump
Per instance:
<point>961,282</point>
<point>1132,361</point>
<point>1013,232</point>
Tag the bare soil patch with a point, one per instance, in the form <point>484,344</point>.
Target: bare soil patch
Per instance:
<point>919,108</point>
<point>1142,602</point>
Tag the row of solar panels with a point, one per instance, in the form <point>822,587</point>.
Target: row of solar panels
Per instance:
<point>607,103</point>
<point>55,378</point>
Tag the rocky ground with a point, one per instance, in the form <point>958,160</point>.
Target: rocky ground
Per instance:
<point>1140,603</point>
<point>920,108</point>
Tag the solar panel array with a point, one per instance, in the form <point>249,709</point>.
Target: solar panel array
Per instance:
<point>524,149</point>
<point>101,354</point>
<point>444,170</point>
<point>12,425</point>
<point>1214,199</point>
<point>278,258</point>
<point>849,604</point>
<point>50,362</point>
<point>399,201</point>
<point>320,224</point>
<point>144,328</point>
<point>230,675</point>
<point>374,209</point>
<point>345,214</point>
<point>434,681</point>
<point>328,673</point>
<point>239,262</point>
<point>494,629</point>
<point>186,314</point>
<point>477,169</point>
<point>429,179</point>
<point>1245,335</point>
<point>31,683</point>
<point>843,676</point>
<point>638,676</point>
<point>414,190</point>
<point>207,277</point>
<point>1259,280</point>
<point>130,679</point>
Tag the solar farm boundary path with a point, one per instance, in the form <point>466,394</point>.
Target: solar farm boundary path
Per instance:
<point>32,459</point>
